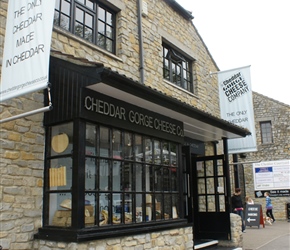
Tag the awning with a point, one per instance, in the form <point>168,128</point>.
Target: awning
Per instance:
<point>198,125</point>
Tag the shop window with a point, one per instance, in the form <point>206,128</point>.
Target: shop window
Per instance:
<point>177,68</point>
<point>88,19</point>
<point>266,132</point>
<point>127,178</point>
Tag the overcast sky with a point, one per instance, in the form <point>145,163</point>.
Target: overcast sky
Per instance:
<point>248,32</point>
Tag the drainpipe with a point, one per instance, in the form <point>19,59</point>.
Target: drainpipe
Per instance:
<point>141,49</point>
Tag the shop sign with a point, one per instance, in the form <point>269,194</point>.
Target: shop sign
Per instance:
<point>110,111</point>
<point>273,193</point>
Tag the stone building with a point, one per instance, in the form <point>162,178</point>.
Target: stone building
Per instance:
<point>114,164</point>
<point>273,145</point>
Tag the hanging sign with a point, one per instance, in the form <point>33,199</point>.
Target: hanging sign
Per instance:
<point>236,106</point>
<point>27,47</point>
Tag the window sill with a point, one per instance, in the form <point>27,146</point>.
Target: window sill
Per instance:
<point>177,87</point>
<point>73,235</point>
<point>84,42</point>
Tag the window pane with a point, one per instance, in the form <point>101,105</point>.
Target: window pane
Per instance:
<point>60,174</point>
<point>101,41</point>
<point>65,7</point>
<point>90,175</point>
<point>90,209</point>
<point>90,4</point>
<point>104,142</point>
<point>174,180</point>
<point>61,139</point>
<point>117,176</point>
<point>89,20</point>
<point>79,30</point>
<point>109,45</point>
<point>157,152</point>
<point>104,175</point>
<point>109,31</point>
<point>148,150</point>
<point>64,22</point>
<point>104,209</point>
<point>139,211</point>
<point>138,148</point>
<point>173,155</point>
<point>159,177</point>
<point>89,34</point>
<point>60,209</point>
<point>117,144</point>
<point>91,140</point>
<point>139,172</point>
<point>175,207</point>
<point>128,168</point>
<point>149,178</point>
<point>109,18</point>
<point>57,4</point>
<point>101,14</point>
<point>101,28</point>
<point>79,15</point>
<point>127,151</point>
<point>159,207</point>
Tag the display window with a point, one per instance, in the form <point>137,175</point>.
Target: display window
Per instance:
<point>123,178</point>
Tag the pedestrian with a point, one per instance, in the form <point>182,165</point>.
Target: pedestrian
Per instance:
<point>269,206</point>
<point>249,200</point>
<point>237,205</point>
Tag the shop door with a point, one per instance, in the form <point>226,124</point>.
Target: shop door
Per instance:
<point>211,213</point>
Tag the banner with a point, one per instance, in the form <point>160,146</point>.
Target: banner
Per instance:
<point>236,106</point>
<point>27,43</point>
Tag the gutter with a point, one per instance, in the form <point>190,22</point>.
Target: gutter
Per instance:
<point>141,48</point>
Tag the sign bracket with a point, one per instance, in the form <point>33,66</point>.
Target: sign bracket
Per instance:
<point>33,112</point>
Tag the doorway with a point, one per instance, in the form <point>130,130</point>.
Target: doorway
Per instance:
<point>206,196</point>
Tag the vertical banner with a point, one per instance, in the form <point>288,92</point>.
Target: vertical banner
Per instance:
<point>27,43</point>
<point>236,105</point>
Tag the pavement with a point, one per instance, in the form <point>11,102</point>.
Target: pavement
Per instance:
<point>270,237</point>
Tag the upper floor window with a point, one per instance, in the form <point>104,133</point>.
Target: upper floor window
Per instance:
<point>177,68</point>
<point>87,19</point>
<point>266,132</point>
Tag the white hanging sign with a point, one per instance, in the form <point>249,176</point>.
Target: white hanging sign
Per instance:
<point>236,106</point>
<point>27,43</point>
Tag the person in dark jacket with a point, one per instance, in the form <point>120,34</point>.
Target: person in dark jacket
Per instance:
<point>237,205</point>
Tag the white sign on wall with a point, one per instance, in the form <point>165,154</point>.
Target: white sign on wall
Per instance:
<point>272,175</point>
<point>236,106</point>
<point>25,60</point>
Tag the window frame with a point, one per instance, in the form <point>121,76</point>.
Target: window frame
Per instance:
<point>174,61</point>
<point>69,11</point>
<point>266,132</point>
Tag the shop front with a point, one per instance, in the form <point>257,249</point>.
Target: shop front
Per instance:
<point>121,157</point>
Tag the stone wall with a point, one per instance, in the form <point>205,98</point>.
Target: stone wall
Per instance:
<point>236,233</point>
<point>179,239</point>
<point>21,171</point>
<point>22,140</point>
<point>162,23</point>
<point>267,109</point>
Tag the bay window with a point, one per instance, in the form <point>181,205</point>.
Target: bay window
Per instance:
<point>122,178</point>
